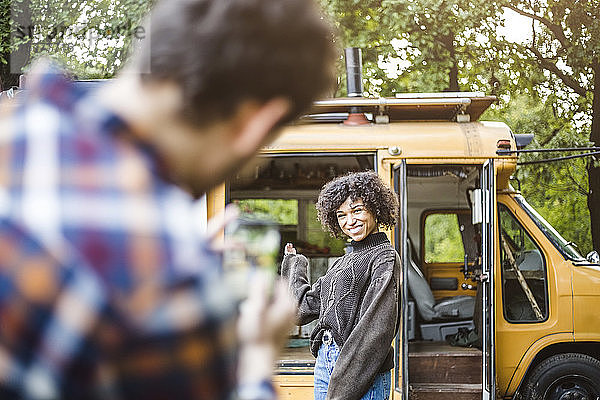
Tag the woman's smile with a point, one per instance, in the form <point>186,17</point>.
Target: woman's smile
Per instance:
<point>355,219</point>
<point>355,229</point>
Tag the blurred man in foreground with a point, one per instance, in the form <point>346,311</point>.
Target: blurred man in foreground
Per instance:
<point>106,290</point>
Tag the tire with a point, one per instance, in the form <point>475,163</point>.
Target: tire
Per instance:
<point>569,376</point>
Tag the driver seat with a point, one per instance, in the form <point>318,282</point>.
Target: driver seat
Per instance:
<point>450,308</point>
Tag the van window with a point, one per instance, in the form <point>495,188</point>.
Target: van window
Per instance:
<point>443,239</point>
<point>316,235</point>
<point>280,211</point>
<point>524,287</point>
<point>568,249</point>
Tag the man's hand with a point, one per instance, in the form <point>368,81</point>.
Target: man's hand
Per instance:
<point>266,316</point>
<point>263,327</point>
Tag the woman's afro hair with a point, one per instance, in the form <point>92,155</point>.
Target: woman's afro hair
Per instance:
<point>377,197</point>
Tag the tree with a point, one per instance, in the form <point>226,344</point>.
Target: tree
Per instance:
<point>361,24</point>
<point>435,44</point>
<point>446,34</point>
<point>565,43</point>
<point>8,78</point>
<point>90,37</point>
<point>557,190</point>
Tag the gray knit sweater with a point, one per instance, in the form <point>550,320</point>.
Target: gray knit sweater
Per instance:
<point>357,300</point>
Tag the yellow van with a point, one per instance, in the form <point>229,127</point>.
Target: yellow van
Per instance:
<point>476,256</point>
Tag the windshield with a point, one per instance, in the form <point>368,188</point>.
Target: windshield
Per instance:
<point>566,248</point>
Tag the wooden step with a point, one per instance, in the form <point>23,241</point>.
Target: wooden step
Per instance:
<point>444,391</point>
<point>430,362</point>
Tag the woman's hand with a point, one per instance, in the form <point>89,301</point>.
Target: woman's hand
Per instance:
<point>289,249</point>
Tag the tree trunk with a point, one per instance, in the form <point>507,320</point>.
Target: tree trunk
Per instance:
<point>7,79</point>
<point>453,77</point>
<point>448,43</point>
<point>594,171</point>
<point>453,73</point>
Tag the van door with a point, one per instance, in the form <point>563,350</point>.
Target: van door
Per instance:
<point>401,239</point>
<point>427,364</point>
<point>488,188</point>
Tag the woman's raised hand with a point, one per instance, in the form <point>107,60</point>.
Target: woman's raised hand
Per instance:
<point>289,249</point>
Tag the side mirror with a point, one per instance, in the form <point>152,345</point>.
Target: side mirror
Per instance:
<point>593,257</point>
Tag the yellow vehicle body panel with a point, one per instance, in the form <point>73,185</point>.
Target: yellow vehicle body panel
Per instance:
<point>294,387</point>
<point>518,343</point>
<point>439,140</point>
<point>301,387</point>
<point>586,302</point>
<point>525,359</point>
<point>449,271</point>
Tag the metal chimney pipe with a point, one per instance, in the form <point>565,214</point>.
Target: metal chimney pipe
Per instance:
<point>354,71</point>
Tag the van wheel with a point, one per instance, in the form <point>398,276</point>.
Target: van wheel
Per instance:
<point>569,376</point>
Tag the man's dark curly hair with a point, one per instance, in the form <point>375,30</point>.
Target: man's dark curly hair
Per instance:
<point>377,197</point>
<point>224,52</point>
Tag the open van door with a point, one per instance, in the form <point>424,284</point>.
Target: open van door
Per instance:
<point>427,364</point>
<point>488,235</point>
<point>401,236</point>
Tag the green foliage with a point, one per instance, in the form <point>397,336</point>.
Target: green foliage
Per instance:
<point>443,241</point>
<point>4,31</point>
<point>318,236</point>
<point>90,37</point>
<point>556,70</point>
<point>360,24</point>
<point>558,190</point>
<point>436,38</point>
<point>284,212</point>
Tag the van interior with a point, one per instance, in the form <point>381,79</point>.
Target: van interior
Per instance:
<point>444,249</point>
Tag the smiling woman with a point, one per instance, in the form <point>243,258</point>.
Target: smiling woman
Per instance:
<point>355,219</point>
<point>355,302</point>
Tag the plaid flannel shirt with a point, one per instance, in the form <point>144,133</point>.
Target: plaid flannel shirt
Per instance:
<point>106,287</point>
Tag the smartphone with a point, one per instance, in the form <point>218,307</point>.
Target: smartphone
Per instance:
<point>252,244</point>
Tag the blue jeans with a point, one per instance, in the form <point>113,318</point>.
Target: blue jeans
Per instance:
<point>328,355</point>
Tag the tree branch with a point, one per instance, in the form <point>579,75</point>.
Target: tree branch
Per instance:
<point>551,66</point>
<point>556,29</point>
<point>579,188</point>
<point>549,138</point>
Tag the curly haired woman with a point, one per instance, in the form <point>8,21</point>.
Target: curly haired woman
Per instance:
<point>356,301</point>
